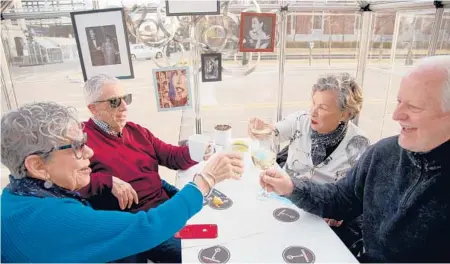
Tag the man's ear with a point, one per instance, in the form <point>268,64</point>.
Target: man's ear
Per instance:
<point>91,108</point>
<point>35,167</point>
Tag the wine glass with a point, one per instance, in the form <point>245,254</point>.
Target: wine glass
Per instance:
<point>264,157</point>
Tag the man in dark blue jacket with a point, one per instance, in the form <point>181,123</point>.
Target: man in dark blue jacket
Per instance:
<point>401,184</point>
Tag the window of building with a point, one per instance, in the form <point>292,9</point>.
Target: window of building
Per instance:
<point>317,21</point>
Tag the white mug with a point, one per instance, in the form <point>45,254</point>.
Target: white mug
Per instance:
<point>222,136</point>
<point>198,145</point>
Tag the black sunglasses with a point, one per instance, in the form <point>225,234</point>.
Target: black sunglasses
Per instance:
<point>117,101</point>
<point>76,146</point>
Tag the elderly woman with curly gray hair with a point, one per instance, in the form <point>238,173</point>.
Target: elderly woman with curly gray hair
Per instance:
<point>44,219</point>
<point>323,144</point>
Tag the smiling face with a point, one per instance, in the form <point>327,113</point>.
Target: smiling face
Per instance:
<point>67,168</point>
<point>325,112</point>
<point>424,124</point>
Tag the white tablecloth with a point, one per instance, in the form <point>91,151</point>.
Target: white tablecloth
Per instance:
<point>251,233</point>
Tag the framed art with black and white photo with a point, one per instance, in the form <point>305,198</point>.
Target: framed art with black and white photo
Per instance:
<point>172,88</point>
<point>192,7</point>
<point>211,67</point>
<point>102,42</point>
<point>257,32</point>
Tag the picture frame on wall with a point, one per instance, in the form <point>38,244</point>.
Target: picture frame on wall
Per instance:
<point>102,42</point>
<point>172,88</point>
<point>192,7</point>
<point>211,67</point>
<point>257,32</point>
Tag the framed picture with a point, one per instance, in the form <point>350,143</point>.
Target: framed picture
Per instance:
<point>192,7</point>
<point>172,88</point>
<point>102,42</point>
<point>257,32</point>
<point>211,67</point>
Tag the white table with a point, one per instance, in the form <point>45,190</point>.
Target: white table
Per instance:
<point>251,233</point>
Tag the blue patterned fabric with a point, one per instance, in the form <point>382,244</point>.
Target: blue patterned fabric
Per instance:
<point>33,187</point>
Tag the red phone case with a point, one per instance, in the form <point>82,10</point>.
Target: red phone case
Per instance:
<point>197,232</point>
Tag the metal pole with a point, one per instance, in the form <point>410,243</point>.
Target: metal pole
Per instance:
<point>281,61</point>
<point>195,56</point>
<point>438,18</point>
<point>364,41</point>
<point>392,64</point>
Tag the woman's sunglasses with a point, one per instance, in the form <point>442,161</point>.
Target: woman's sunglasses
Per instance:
<point>76,146</point>
<point>117,101</point>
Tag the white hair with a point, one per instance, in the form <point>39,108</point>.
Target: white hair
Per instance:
<point>36,128</point>
<point>443,62</point>
<point>93,87</point>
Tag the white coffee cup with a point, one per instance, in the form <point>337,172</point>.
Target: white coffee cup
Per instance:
<point>198,145</point>
<point>222,136</point>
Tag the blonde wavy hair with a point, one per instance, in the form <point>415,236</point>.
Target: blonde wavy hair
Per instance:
<point>350,96</point>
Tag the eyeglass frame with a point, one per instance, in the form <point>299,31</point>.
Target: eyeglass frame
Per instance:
<point>74,147</point>
<point>112,105</point>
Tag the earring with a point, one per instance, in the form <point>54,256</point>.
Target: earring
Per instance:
<point>48,183</point>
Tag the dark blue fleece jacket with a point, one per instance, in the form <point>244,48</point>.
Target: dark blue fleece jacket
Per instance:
<point>404,198</point>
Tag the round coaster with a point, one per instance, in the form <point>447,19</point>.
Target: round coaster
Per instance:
<point>286,215</point>
<point>227,203</point>
<point>215,254</point>
<point>296,254</point>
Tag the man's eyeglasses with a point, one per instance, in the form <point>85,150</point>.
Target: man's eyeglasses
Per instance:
<point>117,101</point>
<point>76,146</point>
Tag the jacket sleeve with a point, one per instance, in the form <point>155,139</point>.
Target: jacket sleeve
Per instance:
<point>169,188</point>
<point>341,200</point>
<point>101,182</point>
<point>286,128</point>
<point>102,236</point>
<point>170,156</point>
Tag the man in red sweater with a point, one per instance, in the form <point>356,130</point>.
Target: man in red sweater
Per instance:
<point>126,159</point>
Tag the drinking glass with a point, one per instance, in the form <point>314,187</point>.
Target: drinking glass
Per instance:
<point>264,157</point>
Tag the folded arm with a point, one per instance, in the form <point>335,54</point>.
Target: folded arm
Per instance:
<point>101,182</point>
<point>169,188</point>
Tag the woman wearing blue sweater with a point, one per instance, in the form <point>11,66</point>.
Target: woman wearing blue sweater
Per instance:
<point>45,220</point>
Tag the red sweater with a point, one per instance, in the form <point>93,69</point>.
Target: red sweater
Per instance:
<point>134,157</point>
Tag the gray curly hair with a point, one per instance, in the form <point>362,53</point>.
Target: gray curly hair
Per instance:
<point>93,87</point>
<point>350,96</point>
<point>36,128</point>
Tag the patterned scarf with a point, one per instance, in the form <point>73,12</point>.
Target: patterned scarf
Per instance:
<point>320,142</point>
<point>33,187</point>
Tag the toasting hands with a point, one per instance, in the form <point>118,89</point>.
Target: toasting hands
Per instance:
<point>276,181</point>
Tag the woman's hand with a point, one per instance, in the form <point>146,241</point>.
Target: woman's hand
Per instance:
<point>273,180</point>
<point>222,166</point>
<point>257,124</point>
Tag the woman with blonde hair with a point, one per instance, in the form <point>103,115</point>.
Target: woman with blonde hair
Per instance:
<point>323,144</point>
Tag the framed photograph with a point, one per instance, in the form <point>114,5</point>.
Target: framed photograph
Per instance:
<point>212,67</point>
<point>192,7</point>
<point>172,88</point>
<point>257,32</point>
<point>102,42</point>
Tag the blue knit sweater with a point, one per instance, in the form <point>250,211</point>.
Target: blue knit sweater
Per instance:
<point>404,198</point>
<point>65,230</point>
